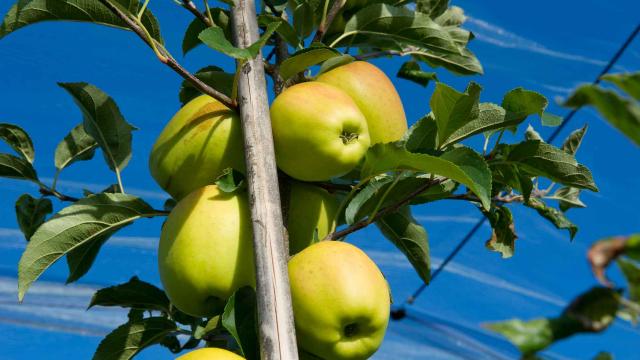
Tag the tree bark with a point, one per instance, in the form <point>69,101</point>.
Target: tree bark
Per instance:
<point>275,317</point>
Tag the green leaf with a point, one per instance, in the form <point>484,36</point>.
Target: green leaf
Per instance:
<point>27,12</point>
<point>135,294</point>
<point>503,234</point>
<point>453,16</point>
<point>382,26</point>
<point>521,103</point>
<point>574,140</point>
<point>18,139</point>
<point>453,109</point>
<point>592,311</point>
<point>529,336</point>
<point>172,343</point>
<point>220,19</point>
<point>632,247</point>
<point>240,319</point>
<point>631,272</point>
<point>285,30</point>
<point>230,181</point>
<point>411,71</point>
<point>461,164</point>
<point>17,168</point>
<point>603,355</point>
<point>304,18</point>
<point>103,122</point>
<point>568,198</point>
<point>31,212</point>
<point>214,38</point>
<point>306,58</point>
<point>512,177</point>
<point>628,82</point>
<point>88,219</point>
<point>621,113</point>
<point>556,217</point>
<point>76,146</point>
<point>335,62</point>
<point>410,237</point>
<point>551,119</point>
<point>490,117</point>
<point>422,136</point>
<point>537,158</point>
<point>372,189</point>
<point>129,339</point>
<point>212,76</point>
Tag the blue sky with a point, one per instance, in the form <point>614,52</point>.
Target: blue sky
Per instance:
<point>550,47</point>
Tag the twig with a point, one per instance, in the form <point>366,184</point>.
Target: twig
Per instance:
<point>377,54</point>
<point>326,23</point>
<point>385,211</point>
<point>45,191</point>
<point>170,61</point>
<point>189,5</point>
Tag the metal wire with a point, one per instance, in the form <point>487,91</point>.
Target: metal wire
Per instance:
<point>400,312</point>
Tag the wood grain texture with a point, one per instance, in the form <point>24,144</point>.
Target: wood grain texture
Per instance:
<point>275,317</point>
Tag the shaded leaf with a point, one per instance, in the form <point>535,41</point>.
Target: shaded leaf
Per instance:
<point>240,319</point>
<point>88,219</point>
<point>220,19</point>
<point>17,168</point>
<point>410,238</point>
<point>135,294</point>
<point>304,59</point>
<point>285,30</point>
<point>76,146</point>
<point>80,259</point>
<point>631,272</point>
<point>621,113</point>
<point>461,164</point>
<point>31,213</point>
<point>568,198</point>
<point>103,122</point>
<point>503,233</point>
<point>411,71</point>
<point>422,136</point>
<point>27,12</point>
<point>433,8</point>
<point>557,218</point>
<point>453,16</point>
<point>212,76</point>
<point>129,339</point>
<point>18,139</point>
<point>529,336</point>
<point>335,62</point>
<point>214,37</point>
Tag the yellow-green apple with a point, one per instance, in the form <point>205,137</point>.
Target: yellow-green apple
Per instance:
<point>200,141</point>
<point>210,354</point>
<point>311,208</point>
<point>318,132</point>
<point>340,301</point>
<point>206,250</point>
<point>375,95</point>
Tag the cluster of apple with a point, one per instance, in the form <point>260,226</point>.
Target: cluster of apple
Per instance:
<point>322,130</point>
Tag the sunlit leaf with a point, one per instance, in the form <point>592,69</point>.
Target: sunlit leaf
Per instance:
<point>18,140</point>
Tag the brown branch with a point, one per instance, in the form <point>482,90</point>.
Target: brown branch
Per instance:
<point>189,5</point>
<point>385,211</point>
<point>324,26</point>
<point>45,191</point>
<point>170,61</point>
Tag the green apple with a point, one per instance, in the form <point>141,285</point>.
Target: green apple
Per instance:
<point>340,301</point>
<point>199,142</point>
<point>318,132</point>
<point>206,250</point>
<point>375,95</point>
<point>210,354</point>
<point>311,208</point>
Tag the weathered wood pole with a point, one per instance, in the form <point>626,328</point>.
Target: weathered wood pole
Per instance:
<point>275,317</point>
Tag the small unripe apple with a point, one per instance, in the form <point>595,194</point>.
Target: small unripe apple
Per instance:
<point>311,209</point>
<point>318,132</point>
<point>200,141</point>
<point>375,95</point>
<point>340,301</point>
<point>206,250</point>
<point>210,354</point>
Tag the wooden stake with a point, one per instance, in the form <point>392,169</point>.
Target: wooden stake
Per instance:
<point>275,317</point>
